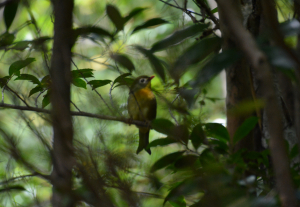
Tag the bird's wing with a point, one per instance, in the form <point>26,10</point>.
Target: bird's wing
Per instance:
<point>151,113</point>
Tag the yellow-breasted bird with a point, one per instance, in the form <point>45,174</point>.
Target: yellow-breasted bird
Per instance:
<point>142,106</point>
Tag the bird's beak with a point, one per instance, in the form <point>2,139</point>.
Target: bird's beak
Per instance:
<point>151,77</point>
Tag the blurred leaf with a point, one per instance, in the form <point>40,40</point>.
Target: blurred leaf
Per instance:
<point>115,16</point>
<point>133,13</point>
<point>125,82</point>
<point>220,147</point>
<point>215,66</point>
<point>84,31</point>
<point>163,126</point>
<point>6,39</point>
<point>215,10</point>
<point>13,187</point>
<point>185,161</point>
<point>180,132</point>
<point>188,95</point>
<point>123,60</point>
<point>3,81</point>
<point>197,136</point>
<point>278,57</point>
<point>155,62</point>
<point>82,73</point>
<point>245,129</point>
<point>178,202</point>
<point>149,23</point>
<point>120,78</point>
<point>246,107</point>
<point>294,151</point>
<point>217,131</point>
<point>22,45</point>
<point>29,77</point>
<point>79,83</point>
<point>178,37</point>
<point>98,83</point>
<point>195,54</point>
<point>46,81</point>
<point>46,99</point>
<point>35,90</point>
<point>18,65</point>
<point>9,13</point>
<point>290,27</point>
<point>161,142</point>
<point>166,160</point>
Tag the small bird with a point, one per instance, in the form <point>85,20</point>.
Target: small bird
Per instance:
<point>142,106</point>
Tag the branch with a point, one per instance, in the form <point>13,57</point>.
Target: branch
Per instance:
<point>182,9</point>
<point>74,113</point>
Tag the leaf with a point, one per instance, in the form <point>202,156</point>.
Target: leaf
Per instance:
<point>161,142</point>
<point>278,57</point>
<point>195,54</point>
<point>82,73</point>
<point>3,81</point>
<point>35,90</point>
<point>163,126</point>
<point>217,131</point>
<point>133,13</point>
<point>185,161</point>
<point>166,160</point>
<point>79,82</point>
<point>188,95</point>
<point>126,81</point>
<point>46,99</point>
<point>178,202</point>
<point>155,62</point>
<point>6,39</point>
<point>9,13</point>
<point>197,136</point>
<point>180,132</point>
<point>290,27</point>
<point>149,23</point>
<point>215,10</point>
<point>245,129</point>
<point>115,16</point>
<point>46,81</point>
<point>18,65</point>
<point>120,79</point>
<point>215,66</point>
<point>84,31</point>
<point>22,45</point>
<point>178,37</point>
<point>123,60</point>
<point>29,77</point>
<point>13,187</point>
<point>98,83</point>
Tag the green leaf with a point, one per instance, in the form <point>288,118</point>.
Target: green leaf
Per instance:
<point>6,39</point>
<point>290,27</point>
<point>161,142</point>
<point>215,66</point>
<point>46,99</point>
<point>79,82</point>
<point>178,37</point>
<point>133,13</point>
<point>35,90</point>
<point>115,16</point>
<point>46,81</point>
<point>245,129</point>
<point>22,45</point>
<point>163,126</point>
<point>215,10</point>
<point>3,81</point>
<point>98,83</point>
<point>84,31</point>
<point>120,79</point>
<point>9,13</point>
<point>149,23</point>
<point>13,187</point>
<point>186,161</point>
<point>123,60</point>
<point>155,62</point>
<point>195,54</point>
<point>294,151</point>
<point>29,77</point>
<point>166,160</point>
<point>82,73</point>
<point>125,82</point>
<point>180,132</point>
<point>197,136</point>
<point>188,95</point>
<point>217,131</point>
<point>178,202</point>
<point>18,65</point>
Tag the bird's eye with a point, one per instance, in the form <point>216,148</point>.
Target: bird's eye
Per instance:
<point>142,80</point>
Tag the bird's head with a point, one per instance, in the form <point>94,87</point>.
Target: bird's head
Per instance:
<point>141,82</point>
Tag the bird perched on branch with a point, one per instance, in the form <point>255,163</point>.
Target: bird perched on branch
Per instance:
<point>142,106</point>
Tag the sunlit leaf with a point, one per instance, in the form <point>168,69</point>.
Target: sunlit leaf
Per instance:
<point>163,126</point>
<point>217,131</point>
<point>195,54</point>
<point>6,39</point>
<point>46,99</point>
<point>161,142</point>
<point>155,62</point>
<point>178,37</point>
<point>115,16</point>
<point>123,60</point>
<point>166,160</point>
<point>79,82</point>
<point>197,136</point>
<point>215,66</point>
<point>133,13</point>
<point>290,27</point>
<point>149,23</point>
<point>29,77</point>
<point>18,65</point>
<point>82,73</point>
<point>98,83</point>
<point>35,90</point>
<point>9,13</point>
<point>245,128</point>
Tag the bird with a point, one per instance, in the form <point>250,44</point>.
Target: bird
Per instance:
<point>142,106</point>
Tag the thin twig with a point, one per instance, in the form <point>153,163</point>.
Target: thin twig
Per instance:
<point>172,115</point>
<point>36,99</point>
<point>17,95</point>
<point>75,106</point>
<point>182,9</point>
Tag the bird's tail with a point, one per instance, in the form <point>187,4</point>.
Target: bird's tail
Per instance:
<point>143,141</point>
